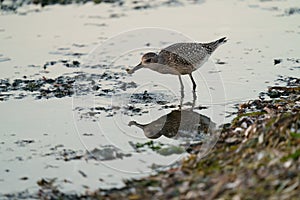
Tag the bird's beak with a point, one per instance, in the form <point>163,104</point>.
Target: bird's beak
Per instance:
<point>131,71</point>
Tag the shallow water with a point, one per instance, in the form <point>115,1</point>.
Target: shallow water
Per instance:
<point>34,133</point>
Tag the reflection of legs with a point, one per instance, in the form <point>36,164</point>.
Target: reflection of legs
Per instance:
<point>181,84</point>
<point>194,99</point>
<point>181,99</point>
<point>181,90</point>
<point>194,84</point>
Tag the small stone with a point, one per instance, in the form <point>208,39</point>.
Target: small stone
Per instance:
<point>231,140</point>
<point>288,163</point>
<point>261,138</point>
<point>277,61</point>
<point>82,173</point>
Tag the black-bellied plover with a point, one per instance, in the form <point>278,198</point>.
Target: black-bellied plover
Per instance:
<point>179,59</point>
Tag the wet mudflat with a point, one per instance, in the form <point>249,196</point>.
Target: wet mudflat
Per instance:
<point>75,126</point>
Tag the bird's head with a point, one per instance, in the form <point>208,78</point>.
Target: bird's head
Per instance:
<point>146,60</point>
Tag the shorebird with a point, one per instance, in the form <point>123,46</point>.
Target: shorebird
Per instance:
<point>179,59</point>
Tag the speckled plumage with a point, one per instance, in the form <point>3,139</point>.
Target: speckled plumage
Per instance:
<point>184,57</point>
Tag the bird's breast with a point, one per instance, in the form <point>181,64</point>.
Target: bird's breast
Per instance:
<point>163,69</point>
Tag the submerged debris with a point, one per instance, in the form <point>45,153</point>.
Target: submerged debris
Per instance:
<point>103,153</point>
<point>154,146</point>
<point>292,11</point>
<point>64,86</point>
<point>108,152</point>
<point>12,5</point>
<point>40,88</point>
<point>160,98</point>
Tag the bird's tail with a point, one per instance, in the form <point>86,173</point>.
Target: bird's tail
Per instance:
<point>221,41</point>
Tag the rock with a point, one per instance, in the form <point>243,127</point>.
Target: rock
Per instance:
<point>292,11</point>
<point>277,61</point>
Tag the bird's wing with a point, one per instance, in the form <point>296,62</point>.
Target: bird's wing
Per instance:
<point>171,58</point>
<point>192,53</point>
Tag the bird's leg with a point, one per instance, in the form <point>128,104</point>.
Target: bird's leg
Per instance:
<point>181,86</point>
<point>193,81</point>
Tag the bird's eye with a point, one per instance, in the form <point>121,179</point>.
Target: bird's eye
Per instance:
<point>148,60</point>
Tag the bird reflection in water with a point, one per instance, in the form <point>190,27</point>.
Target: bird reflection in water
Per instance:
<point>178,124</point>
